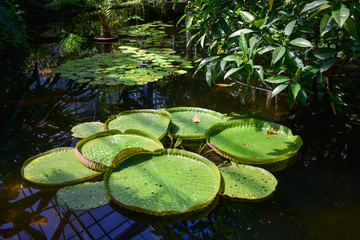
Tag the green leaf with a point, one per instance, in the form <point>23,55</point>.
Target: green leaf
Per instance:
<point>350,27</point>
<point>278,89</point>
<point>249,66</point>
<point>238,32</point>
<point>278,54</point>
<point>301,42</point>
<point>295,88</point>
<point>289,28</point>
<point>340,13</point>
<point>291,99</point>
<point>189,21</point>
<point>328,64</point>
<point>326,23</point>
<point>313,6</point>
<point>243,44</point>
<point>171,182</point>
<point>208,59</point>
<point>83,196</point>
<point>266,49</point>
<point>202,40</point>
<point>247,182</point>
<point>87,129</point>
<point>324,53</point>
<point>277,79</point>
<point>247,16</point>
<point>302,96</point>
<point>231,71</point>
<point>208,74</point>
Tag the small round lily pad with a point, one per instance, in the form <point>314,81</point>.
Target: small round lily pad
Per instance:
<point>56,167</point>
<point>244,182</point>
<point>83,196</point>
<point>87,129</point>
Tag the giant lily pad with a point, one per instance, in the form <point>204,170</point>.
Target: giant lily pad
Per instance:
<point>244,182</point>
<point>168,182</point>
<point>253,141</point>
<point>87,129</point>
<point>83,196</point>
<point>190,123</point>
<point>56,167</point>
<point>154,122</point>
<point>98,151</point>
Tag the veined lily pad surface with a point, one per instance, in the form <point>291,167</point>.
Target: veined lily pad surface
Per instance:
<point>83,196</point>
<point>253,141</point>
<point>247,182</point>
<point>190,123</point>
<point>98,151</point>
<point>56,167</point>
<point>171,182</point>
<point>87,129</point>
<point>154,122</point>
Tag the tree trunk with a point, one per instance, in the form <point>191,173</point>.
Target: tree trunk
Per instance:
<point>105,31</point>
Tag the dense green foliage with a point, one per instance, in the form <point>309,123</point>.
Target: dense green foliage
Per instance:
<point>12,25</point>
<point>298,45</point>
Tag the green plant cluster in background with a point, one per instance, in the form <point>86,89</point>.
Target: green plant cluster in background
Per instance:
<point>12,25</point>
<point>297,46</point>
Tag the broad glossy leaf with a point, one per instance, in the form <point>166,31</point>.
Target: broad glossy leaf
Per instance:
<point>277,79</point>
<point>247,16</point>
<point>301,42</point>
<point>56,167</point>
<point>247,182</point>
<point>271,2</point>
<point>350,27</point>
<point>324,53</point>
<point>238,32</point>
<point>278,89</point>
<point>313,6</point>
<point>266,49</point>
<point>328,64</point>
<point>171,182</point>
<point>83,196</point>
<point>295,88</point>
<point>289,27</point>
<point>340,13</point>
<point>243,44</point>
<point>278,53</point>
<point>326,23</point>
<point>183,127</point>
<point>231,71</point>
<point>246,141</point>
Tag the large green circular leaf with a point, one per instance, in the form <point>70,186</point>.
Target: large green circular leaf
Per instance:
<point>253,141</point>
<point>98,151</point>
<point>171,182</point>
<point>190,123</point>
<point>247,182</point>
<point>56,167</point>
<point>154,122</point>
<point>87,129</point>
<point>83,196</point>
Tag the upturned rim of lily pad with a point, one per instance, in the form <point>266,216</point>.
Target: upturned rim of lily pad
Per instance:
<point>100,166</point>
<point>263,126</point>
<point>63,183</point>
<point>127,155</point>
<point>160,112</point>
<point>195,111</point>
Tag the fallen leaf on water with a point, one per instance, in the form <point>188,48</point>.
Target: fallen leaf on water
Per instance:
<point>222,85</point>
<point>246,144</point>
<point>196,119</point>
<point>271,132</point>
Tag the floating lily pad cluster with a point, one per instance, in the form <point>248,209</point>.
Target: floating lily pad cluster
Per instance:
<point>142,176</point>
<point>130,66</point>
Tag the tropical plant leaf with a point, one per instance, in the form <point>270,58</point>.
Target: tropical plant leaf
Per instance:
<point>231,72</point>
<point>278,53</point>
<point>246,182</point>
<point>301,42</point>
<point>87,129</point>
<point>289,28</point>
<point>340,13</point>
<point>56,167</point>
<point>277,79</point>
<point>246,141</point>
<point>183,127</point>
<point>326,23</point>
<point>278,89</point>
<point>169,182</point>
<point>153,122</point>
<point>83,196</point>
<point>324,53</point>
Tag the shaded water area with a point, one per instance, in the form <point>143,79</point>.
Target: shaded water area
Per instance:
<point>316,198</point>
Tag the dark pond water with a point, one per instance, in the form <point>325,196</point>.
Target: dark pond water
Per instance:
<point>316,198</point>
